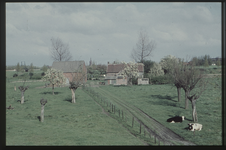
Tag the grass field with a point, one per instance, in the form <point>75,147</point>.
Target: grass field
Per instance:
<point>84,123</point>
<point>160,102</point>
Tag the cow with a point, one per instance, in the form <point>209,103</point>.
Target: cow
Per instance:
<point>176,119</point>
<point>194,126</point>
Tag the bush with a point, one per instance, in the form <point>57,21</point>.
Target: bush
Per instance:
<point>43,73</point>
<point>134,81</point>
<point>159,80</point>
<point>15,75</point>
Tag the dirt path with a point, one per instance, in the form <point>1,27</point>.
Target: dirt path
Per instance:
<point>151,125</point>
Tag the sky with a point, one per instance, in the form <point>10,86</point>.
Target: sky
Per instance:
<point>107,32</point>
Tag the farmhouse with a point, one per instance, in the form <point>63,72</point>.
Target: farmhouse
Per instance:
<point>72,70</point>
<point>113,74</point>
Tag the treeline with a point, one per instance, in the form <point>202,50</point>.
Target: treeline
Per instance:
<point>205,61</point>
<point>12,67</point>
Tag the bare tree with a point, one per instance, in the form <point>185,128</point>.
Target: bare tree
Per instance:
<point>59,50</point>
<point>43,102</point>
<point>144,47</point>
<point>22,90</point>
<point>77,80</point>
<point>200,87</point>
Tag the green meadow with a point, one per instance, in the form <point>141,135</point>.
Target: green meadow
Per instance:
<point>85,123</point>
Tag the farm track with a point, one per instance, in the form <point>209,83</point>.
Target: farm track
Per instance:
<point>150,124</point>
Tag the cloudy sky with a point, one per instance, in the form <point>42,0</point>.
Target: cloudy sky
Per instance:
<point>109,31</point>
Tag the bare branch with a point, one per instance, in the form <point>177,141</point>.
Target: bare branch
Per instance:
<point>60,51</point>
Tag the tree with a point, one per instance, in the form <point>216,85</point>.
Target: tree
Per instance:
<point>156,70</point>
<point>148,64</point>
<point>200,87</point>
<point>18,68</point>
<point>167,62</point>
<point>44,68</point>
<point>188,79</point>
<point>22,90</point>
<point>218,62</point>
<point>43,102</point>
<point>174,75</point>
<point>31,70</point>
<point>144,47</point>
<point>78,79</point>
<point>59,50</point>
<point>206,64</point>
<point>55,77</point>
<point>130,71</point>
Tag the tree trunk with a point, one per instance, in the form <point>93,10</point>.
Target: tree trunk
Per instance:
<point>179,93</point>
<point>42,113</point>
<point>53,88</point>
<point>73,96</point>
<point>22,98</point>
<point>130,81</point>
<point>14,88</point>
<point>194,111</point>
<point>186,99</point>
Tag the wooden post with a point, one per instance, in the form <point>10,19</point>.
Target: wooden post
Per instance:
<point>155,138</point>
<point>132,121</point>
<point>140,128</point>
<point>144,132</point>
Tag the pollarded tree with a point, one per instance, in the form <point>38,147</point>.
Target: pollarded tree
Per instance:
<point>130,71</point>
<point>77,80</point>
<point>189,78</point>
<point>174,74</point>
<point>55,77</point>
<point>196,92</point>
<point>22,90</point>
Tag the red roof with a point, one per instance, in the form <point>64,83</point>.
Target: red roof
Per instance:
<point>115,68</point>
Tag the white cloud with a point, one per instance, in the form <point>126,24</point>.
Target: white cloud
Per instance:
<point>109,31</point>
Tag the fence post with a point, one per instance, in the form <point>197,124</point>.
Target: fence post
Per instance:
<point>132,121</point>
<point>140,128</point>
<point>144,132</point>
<point>155,138</point>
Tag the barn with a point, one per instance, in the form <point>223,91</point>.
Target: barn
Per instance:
<point>72,70</point>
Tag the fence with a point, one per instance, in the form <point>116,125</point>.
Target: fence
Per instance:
<point>136,126</point>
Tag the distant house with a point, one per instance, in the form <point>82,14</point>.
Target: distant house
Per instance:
<point>71,70</point>
<point>113,74</point>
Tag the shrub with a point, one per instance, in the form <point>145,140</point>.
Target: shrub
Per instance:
<point>159,80</point>
<point>15,75</point>
<point>43,73</point>
<point>134,81</point>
